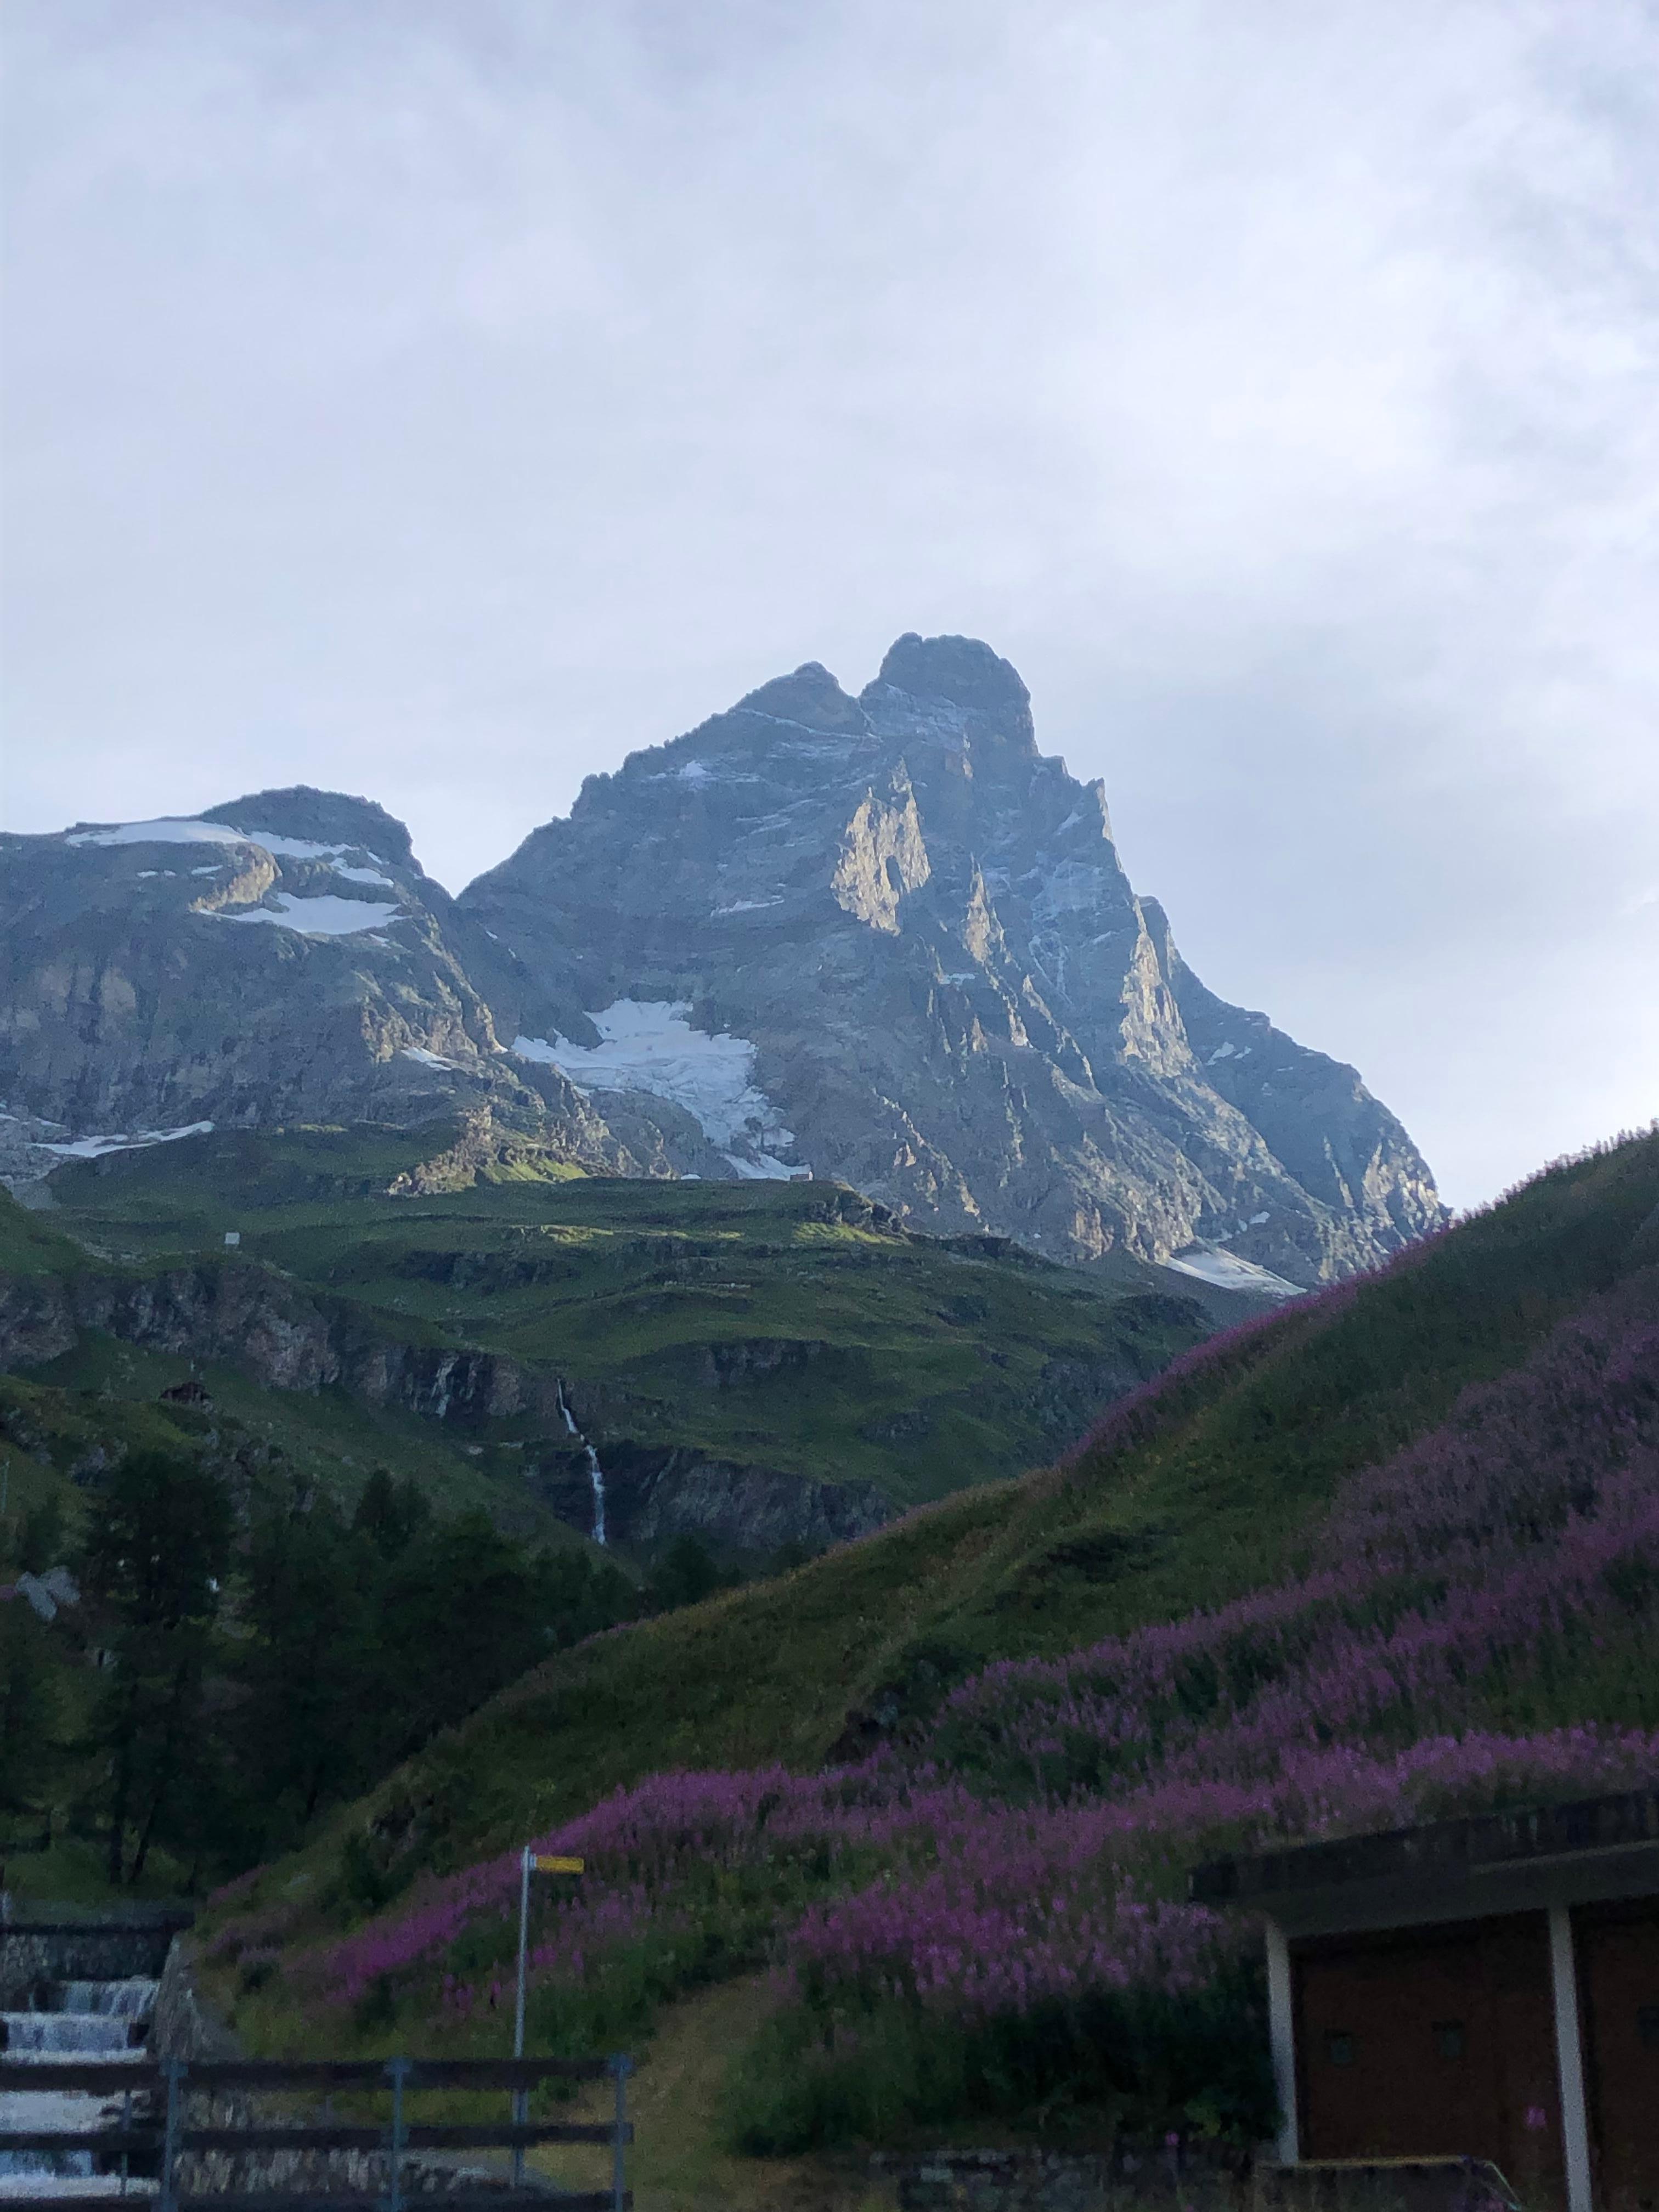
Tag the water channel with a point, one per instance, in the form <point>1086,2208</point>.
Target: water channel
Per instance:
<point>68,2021</point>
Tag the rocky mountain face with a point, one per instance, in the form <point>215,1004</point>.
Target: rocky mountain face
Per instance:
<point>885,938</point>
<point>882,939</point>
<point>282,959</point>
<point>287,1339</point>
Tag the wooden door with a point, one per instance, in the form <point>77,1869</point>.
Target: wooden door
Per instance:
<point>1431,2043</point>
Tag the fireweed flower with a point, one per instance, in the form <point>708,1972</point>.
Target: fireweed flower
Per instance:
<point>1032,1845</point>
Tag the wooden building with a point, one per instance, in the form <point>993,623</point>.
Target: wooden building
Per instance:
<point>1482,1988</point>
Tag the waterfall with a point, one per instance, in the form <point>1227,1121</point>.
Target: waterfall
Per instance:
<point>82,2034</point>
<point>446,1367</point>
<point>595,1472</point>
<point>79,2020</point>
<point>133,1999</point>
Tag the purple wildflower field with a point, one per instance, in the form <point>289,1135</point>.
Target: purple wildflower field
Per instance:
<point>1463,1602</point>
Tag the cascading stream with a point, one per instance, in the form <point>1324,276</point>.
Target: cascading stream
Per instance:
<point>595,1472</point>
<point>133,1999</point>
<point>80,2020</point>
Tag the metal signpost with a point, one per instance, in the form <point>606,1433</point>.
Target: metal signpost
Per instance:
<point>529,1864</point>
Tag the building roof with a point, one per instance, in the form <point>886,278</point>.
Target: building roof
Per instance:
<point>1598,1849</point>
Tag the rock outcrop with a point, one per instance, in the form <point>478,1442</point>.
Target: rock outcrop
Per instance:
<point>886,939</point>
<point>285,1338</point>
<point>653,1493</point>
<point>282,959</point>
<point>881,939</point>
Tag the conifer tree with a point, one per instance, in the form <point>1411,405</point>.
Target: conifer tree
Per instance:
<point>156,1555</point>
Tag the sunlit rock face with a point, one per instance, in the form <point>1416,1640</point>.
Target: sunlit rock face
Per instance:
<point>282,958</point>
<point>880,938</point>
<point>919,966</point>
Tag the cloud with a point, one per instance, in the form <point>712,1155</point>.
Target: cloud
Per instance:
<point>442,401</point>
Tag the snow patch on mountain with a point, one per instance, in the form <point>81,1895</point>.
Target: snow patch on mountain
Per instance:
<point>176,831</point>
<point>93,1148</point>
<point>322,916</point>
<point>168,832</point>
<point>649,1045</point>
<point>763,1167</point>
<point>307,849</point>
<point>1227,1272</point>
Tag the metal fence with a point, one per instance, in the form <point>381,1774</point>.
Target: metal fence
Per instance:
<point>157,2141</point>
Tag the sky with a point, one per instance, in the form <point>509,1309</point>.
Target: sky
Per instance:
<point>439,399</point>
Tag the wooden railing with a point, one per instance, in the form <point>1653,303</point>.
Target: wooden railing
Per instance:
<point>158,2141</point>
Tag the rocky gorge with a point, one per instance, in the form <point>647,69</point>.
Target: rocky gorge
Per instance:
<point>286,1339</point>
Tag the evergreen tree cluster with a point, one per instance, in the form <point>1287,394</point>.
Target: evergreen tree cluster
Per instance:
<point>252,1671</point>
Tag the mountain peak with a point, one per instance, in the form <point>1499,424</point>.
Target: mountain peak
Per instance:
<point>328,817</point>
<point>811,694</point>
<point>965,672</point>
<point>880,938</point>
<point>909,942</point>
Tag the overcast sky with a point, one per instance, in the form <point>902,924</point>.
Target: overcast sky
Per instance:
<point>440,398</point>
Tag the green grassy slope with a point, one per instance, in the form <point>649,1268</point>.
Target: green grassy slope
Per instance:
<point>1214,1489</point>
<point>917,1365</point>
<point>102,1397</point>
<point>911,1364</point>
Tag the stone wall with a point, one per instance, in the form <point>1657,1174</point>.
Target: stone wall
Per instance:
<point>1188,2177</point>
<point>182,2024</point>
<point>94,1952</point>
<point>1125,2179</point>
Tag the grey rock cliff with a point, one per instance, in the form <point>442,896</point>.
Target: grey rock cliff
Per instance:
<point>283,958</point>
<point>883,939</point>
<point>955,998</point>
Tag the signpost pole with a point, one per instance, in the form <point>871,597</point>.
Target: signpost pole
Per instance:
<point>529,1864</point>
<point>398,2069</point>
<point>621,2067</point>
<point>521,2101</point>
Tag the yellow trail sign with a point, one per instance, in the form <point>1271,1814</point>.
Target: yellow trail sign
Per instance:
<point>560,1866</point>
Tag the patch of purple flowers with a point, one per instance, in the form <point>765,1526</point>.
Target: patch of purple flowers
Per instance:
<point>1033,1843</point>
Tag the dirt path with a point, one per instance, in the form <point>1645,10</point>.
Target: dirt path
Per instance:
<point>676,2164</point>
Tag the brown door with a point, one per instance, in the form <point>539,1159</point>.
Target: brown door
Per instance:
<point>1619,1985</point>
<point>1432,2042</point>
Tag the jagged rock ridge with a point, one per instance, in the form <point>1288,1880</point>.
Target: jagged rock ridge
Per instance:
<point>880,938</point>
<point>281,959</point>
<point>919,928</point>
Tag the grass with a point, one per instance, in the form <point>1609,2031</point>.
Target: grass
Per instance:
<point>791,1325</point>
<point>1213,1484</point>
<point>104,1394</point>
<point>788,1325</point>
<point>1218,1494</point>
<point>30,1247</point>
<point>678,2100</point>
<point>680,2161</point>
<point>73,1873</point>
